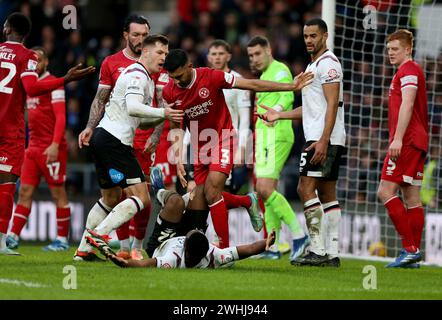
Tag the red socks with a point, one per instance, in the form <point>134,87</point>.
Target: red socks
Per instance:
<point>7,191</point>
<point>234,201</point>
<point>139,223</point>
<point>63,221</point>
<point>398,214</point>
<point>417,220</point>
<point>220,219</point>
<point>19,219</point>
<point>136,227</point>
<point>123,231</point>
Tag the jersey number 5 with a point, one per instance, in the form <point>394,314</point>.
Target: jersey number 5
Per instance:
<point>12,71</point>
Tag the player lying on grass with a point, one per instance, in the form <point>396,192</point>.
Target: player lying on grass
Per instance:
<point>178,215</point>
<point>190,251</point>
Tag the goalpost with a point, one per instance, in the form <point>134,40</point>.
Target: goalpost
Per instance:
<point>358,30</point>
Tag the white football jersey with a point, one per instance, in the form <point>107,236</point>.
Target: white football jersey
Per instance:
<point>116,120</point>
<point>170,254</point>
<point>236,99</point>
<point>326,69</point>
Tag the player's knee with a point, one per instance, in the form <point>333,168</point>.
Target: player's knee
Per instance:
<point>25,193</point>
<point>301,191</point>
<point>111,197</point>
<point>175,203</point>
<point>111,200</point>
<point>412,201</point>
<point>384,194</point>
<point>212,195</point>
<point>60,197</point>
<point>264,192</point>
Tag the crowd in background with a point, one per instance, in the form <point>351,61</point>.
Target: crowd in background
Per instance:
<point>195,23</point>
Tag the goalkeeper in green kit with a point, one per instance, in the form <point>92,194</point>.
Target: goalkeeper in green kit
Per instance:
<point>274,142</point>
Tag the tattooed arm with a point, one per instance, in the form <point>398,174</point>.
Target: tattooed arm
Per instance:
<point>95,115</point>
<point>154,139</point>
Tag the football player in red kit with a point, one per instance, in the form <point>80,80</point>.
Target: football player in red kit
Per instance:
<point>46,156</point>
<point>18,79</point>
<point>199,93</point>
<point>404,164</point>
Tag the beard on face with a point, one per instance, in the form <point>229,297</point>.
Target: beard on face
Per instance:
<point>135,49</point>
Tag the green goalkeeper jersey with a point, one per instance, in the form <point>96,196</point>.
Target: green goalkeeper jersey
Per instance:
<point>282,130</point>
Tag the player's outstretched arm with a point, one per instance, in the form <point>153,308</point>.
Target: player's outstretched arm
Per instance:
<point>35,87</point>
<point>272,115</point>
<point>300,82</point>
<point>122,263</point>
<point>257,247</point>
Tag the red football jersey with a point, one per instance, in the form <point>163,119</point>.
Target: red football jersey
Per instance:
<point>16,62</point>
<point>203,101</point>
<point>410,75</point>
<point>41,116</point>
<point>112,67</point>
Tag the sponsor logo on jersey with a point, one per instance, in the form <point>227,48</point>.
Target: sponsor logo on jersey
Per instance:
<point>199,109</point>
<point>204,93</point>
<point>32,103</point>
<point>3,159</point>
<point>116,176</point>
<point>4,48</point>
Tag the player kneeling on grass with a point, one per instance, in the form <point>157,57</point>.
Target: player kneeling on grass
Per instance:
<point>190,251</point>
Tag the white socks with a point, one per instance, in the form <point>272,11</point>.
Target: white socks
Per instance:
<point>96,215</point>
<point>332,218</point>
<point>2,241</point>
<point>121,213</point>
<point>313,214</point>
<point>125,244</point>
<point>137,244</point>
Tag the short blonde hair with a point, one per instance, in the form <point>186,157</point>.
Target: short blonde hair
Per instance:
<point>404,36</point>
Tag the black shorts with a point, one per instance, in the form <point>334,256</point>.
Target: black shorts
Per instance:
<point>327,171</point>
<point>115,162</point>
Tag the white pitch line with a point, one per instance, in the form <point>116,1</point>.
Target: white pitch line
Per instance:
<point>23,283</point>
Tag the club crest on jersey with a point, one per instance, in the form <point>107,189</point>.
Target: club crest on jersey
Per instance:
<point>116,176</point>
<point>204,93</point>
<point>332,75</point>
<point>164,77</point>
<point>32,65</point>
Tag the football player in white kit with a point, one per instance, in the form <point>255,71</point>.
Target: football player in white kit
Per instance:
<point>111,143</point>
<point>322,115</point>
<point>190,251</point>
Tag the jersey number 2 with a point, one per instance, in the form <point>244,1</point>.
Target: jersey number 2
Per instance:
<point>12,71</point>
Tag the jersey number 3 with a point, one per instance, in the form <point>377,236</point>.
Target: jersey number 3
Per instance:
<point>12,71</point>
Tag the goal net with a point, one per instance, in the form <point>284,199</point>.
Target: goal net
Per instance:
<point>361,28</point>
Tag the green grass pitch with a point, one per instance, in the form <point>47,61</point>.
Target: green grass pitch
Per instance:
<point>39,275</point>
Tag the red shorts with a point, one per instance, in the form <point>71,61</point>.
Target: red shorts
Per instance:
<point>144,159</point>
<point>12,153</point>
<point>221,161</point>
<point>162,156</point>
<point>35,166</point>
<point>408,169</point>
